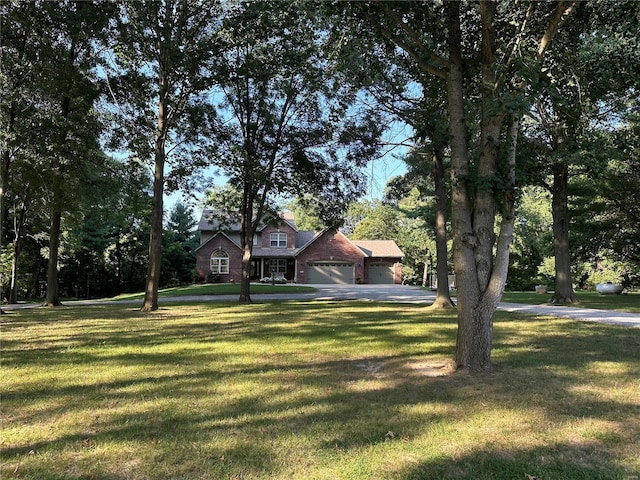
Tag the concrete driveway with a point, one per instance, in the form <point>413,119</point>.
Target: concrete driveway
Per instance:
<point>412,294</point>
<point>397,294</point>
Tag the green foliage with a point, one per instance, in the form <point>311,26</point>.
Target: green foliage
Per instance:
<point>163,55</point>
<point>6,258</point>
<point>179,242</point>
<point>286,128</point>
<point>105,251</point>
<point>382,223</point>
<point>546,271</point>
<point>532,241</point>
<point>305,216</point>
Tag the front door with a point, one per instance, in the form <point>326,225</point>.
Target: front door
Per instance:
<point>255,269</point>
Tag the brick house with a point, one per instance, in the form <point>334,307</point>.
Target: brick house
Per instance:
<point>299,256</point>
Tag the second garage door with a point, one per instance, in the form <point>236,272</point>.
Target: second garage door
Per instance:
<point>331,272</point>
<point>381,273</point>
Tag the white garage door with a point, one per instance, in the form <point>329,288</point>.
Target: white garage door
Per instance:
<point>381,272</point>
<point>331,272</point>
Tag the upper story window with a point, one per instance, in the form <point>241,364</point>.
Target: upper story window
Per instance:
<point>278,240</point>
<point>219,262</point>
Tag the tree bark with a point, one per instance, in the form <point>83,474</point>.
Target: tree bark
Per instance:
<point>471,341</point>
<point>155,238</point>
<point>443,297</point>
<point>480,278</point>
<point>155,244</point>
<point>246,242</point>
<point>18,241</point>
<point>245,280</point>
<point>563,292</point>
<point>52,299</point>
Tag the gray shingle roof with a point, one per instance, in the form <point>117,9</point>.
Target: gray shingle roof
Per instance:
<point>214,220</point>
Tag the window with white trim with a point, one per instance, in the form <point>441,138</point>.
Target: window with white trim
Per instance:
<point>278,240</point>
<point>278,265</point>
<point>219,262</point>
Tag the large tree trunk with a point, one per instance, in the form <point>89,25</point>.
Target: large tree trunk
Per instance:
<point>480,278</point>
<point>470,344</point>
<point>563,292</point>
<point>245,280</point>
<point>443,297</point>
<point>52,299</point>
<point>155,239</point>
<point>246,242</point>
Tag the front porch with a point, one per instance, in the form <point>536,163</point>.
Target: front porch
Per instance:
<point>266,267</point>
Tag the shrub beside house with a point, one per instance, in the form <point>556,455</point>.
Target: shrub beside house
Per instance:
<point>280,249</point>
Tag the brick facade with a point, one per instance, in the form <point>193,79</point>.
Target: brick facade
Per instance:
<point>330,247</point>
<point>341,259</point>
<point>282,228</point>
<point>222,242</point>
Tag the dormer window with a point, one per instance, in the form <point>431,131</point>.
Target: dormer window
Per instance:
<point>278,240</point>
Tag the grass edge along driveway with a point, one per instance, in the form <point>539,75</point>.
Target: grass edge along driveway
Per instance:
<point>311,390</point>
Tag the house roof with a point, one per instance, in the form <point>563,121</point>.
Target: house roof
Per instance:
<point>213,238</point>
<point>212,220</point>
<point>304,237</point>
<point>379,248</point>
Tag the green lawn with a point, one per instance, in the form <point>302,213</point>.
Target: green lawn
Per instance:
<point>311,390</point>
<point>219,289</point>
<point>623,303</point>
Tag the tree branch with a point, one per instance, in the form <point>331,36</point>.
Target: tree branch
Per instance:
<point>413,35</point>
<point>562,11</point>
<point>388,34</point>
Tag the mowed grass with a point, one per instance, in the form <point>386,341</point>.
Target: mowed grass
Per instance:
<point>312,390</point>
<point>628,302</point>
<point>219,289</point>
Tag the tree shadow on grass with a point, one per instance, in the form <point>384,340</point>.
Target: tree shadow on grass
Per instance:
<point>197,411</point>
<point>554,462</point>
